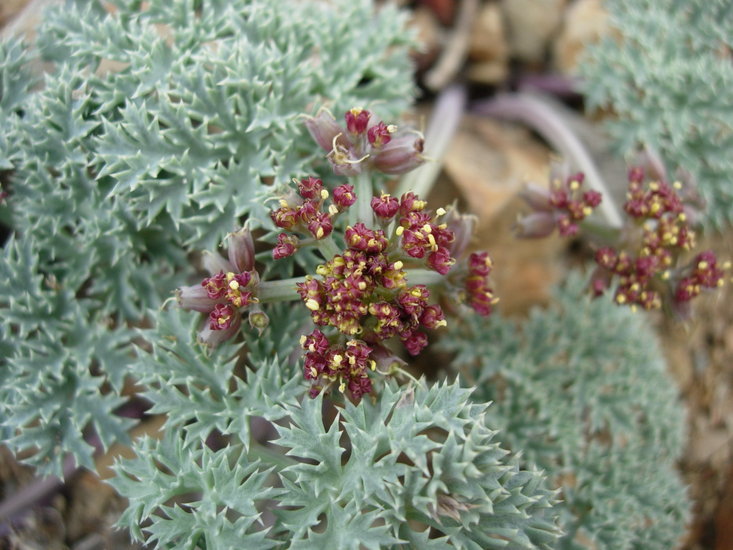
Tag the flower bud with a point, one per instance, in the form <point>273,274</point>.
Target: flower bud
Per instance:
<point>212,338</point>
<point>196,298</point>
<point>214,263</point>
<point>537,197</point>
<point>242,250</point>
<point>258,319</point>
<point>324,129</point>
<point>402,154</point>
<point>535,225</point>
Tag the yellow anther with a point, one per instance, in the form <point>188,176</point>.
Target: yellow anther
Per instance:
<point>656,207</point>
<point>319,233</point>
<point>665,275</point>
<point>372,364</point>
<point>337,359</point>
<point>302,339</point>
<point>682,217</point>
<point>726,265</point>
<point>427,228</point>
<point>362,285</point>
<point>312,304</point>
<point>314,372</point>
<point>322,270</point>
<point>234,285</point>
<point>324,194</point>
<point>677,185</point>
<point>284,203</point>
<point>342,386</point>
<point>635,287</point>
<point>433,244</point>
<point>443,226</point>
<point>230,276</point>
<point>399,231</point>
<point>621,299</point>
<point>333,210</point>
<point>399,265</point>
<point>391,128</point>
<point>440,212</point>
<point>703,264</point>
<point>441,323</point>
<point>574,185</point>
<point>587,211</point>
<point>654,186</point>
<point>356,111</point>
<point>633,308</point>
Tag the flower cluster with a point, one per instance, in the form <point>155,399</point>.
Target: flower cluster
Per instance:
<point>305,213</point>
<point>479,295</point>
<point>563,206</point>
<point>346,364</point>
<point>364,293</point>
<point>365,143</point>
<point>230,289</point>
<point>664,234</point>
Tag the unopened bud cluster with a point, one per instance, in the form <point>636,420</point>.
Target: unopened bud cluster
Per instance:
<point>231,289</point>
<point>650,272</point>
<point>563,206</point>
<point>365,143</point>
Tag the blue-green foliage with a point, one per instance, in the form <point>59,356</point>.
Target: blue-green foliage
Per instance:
<point>582,392</point>
<point>153,132</point>
<point>414,468</point>
<point>667,75</point>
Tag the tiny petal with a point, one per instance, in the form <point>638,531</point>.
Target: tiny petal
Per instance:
<point>344,196</point>
<point>310,188</point>
<point>357,120</point>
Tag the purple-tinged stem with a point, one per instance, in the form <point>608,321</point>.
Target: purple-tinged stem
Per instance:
<point>553,84</point>
<point>40,489</point>
<point>535,112</point>
<point>442,127</point>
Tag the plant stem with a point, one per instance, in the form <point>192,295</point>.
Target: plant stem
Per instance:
<point>362,210</point>
<point>442,127</point>
<point>425,277</point>
<point>328,247</point>
<point>279,291</point>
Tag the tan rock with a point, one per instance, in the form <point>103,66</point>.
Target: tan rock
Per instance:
<point>427,27</point>
<point>488,39</point>
<point>530,26</point>
<point>488,48</point>
<point>585,22</point>
<point>488,72</point>
<point>489,162</point>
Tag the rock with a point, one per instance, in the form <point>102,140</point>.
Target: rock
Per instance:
<point>530,25</point>
<point>489,162</point>
<point>425,24</point>
<point>585,22</point>
<point>488,48</point>
<point>9,9</point>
